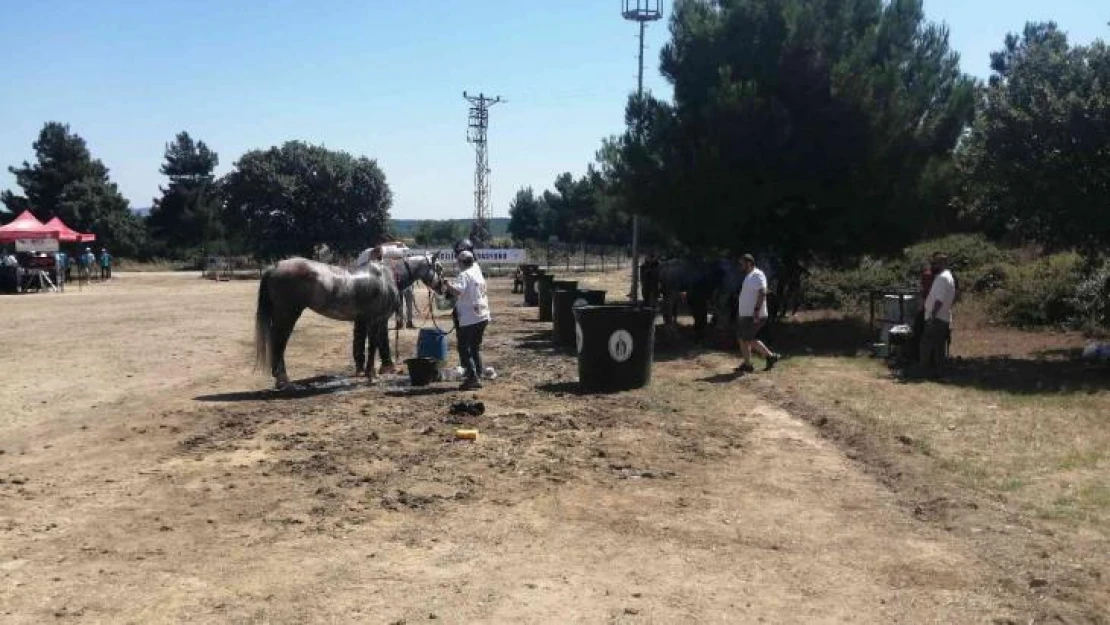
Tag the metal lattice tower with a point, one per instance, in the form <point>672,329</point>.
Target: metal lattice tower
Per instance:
<point>641,12</point>
<point>477,125</point>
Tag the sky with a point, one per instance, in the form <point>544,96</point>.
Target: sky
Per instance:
<point>380,78</point>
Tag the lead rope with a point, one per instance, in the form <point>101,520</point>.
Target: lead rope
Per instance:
<point>432,313</point>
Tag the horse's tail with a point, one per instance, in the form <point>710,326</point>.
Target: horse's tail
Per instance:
<point>263,319</point>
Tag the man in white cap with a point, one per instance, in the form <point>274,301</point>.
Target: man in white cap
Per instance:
<point>472,306</point>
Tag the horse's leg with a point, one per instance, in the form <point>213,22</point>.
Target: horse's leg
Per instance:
<point>280,331</point>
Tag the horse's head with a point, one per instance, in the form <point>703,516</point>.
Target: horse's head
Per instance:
<point>426,269</point>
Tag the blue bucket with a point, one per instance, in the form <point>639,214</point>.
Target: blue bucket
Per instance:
<point>431,343</point>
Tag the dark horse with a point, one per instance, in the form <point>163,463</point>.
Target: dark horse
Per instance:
<point>693,281</point>
<point>372,292</point>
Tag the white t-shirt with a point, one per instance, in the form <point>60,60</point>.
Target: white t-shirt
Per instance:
<point>754,282</point>
<point>472,303</point>
<point>943,291</point>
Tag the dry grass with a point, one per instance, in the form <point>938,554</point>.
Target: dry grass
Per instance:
<point>1017,417</point>
<point>151,266</point>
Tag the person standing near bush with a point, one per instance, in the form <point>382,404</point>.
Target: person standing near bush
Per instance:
<point>938,317</point>
<point>472,306</point>
<point>753,315</point>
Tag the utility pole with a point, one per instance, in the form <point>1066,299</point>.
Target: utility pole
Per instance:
<point>477,124</point>
<point>641,12</point>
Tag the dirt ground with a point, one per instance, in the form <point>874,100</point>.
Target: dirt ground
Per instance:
<point>147,475</point>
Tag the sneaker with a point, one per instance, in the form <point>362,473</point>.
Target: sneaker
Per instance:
<point>746,368</point>
<point>387,369</point>
<point>771,360</point>
<point>360,371</point>
<point>470,384</point>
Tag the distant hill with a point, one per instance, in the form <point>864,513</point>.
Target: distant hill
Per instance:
<point>406,227</point>
<point>141,212</point>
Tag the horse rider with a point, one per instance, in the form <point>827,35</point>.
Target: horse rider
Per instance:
<point>473,314</point>
<point>462,245</point>
<point>105,264</point>
<point>376,333</point>
<point>86,261</point>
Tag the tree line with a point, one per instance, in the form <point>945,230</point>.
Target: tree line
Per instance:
<point>277,202</point>
<point>820,131</point>
<point>817,131</point>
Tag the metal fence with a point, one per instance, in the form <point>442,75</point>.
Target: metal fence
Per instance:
<point>579,257</point>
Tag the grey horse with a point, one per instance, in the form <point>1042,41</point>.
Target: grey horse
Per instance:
<point>292,285</point>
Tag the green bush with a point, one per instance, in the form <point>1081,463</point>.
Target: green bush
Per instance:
<point>1092,297</point>
<point>835,289</point>
<point>966,253</point>
<point>1041,293</point>
<point>989,278</point>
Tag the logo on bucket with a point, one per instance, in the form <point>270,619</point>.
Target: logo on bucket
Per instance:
<point>578,336</point>
<point>620,345</point>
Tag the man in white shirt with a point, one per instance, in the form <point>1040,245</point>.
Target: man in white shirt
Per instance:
<point>472,307</point>
<point>753,315</point>
<point>938,317</point>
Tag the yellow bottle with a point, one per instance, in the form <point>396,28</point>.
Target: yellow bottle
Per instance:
<point>466,434</point>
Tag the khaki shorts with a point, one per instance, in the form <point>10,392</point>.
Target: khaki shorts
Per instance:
<point>747,329</point>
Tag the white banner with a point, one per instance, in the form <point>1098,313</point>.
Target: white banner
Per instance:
<point>36,245</point>
<point>491,256</point>
<point>501,256</point>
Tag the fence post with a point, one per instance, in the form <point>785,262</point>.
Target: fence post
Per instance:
<point>583,257</point>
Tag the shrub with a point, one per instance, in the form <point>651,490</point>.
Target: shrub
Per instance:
<point>1041,293</point>
<point>990,278</point>
<point>1092,296</point>
<point>967,253</point>
<point>839,289</point>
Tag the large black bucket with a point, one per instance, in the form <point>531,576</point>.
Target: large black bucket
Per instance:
<point>616,346</point>
<point>560,285</point>
<point>531,295</point>
<point>563,313</point>
<point>543,285</point>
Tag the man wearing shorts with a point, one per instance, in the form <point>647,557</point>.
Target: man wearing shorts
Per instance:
<point>752,316</point>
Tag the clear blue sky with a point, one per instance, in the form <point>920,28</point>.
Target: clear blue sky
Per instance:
<point>383,78</point>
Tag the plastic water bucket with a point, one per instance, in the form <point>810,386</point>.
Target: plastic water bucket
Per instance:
<point>565,303</point>
<point>422,370</point>
<point>560,285</point>
<point>543,286</point>
<point>616,347</point>
<point>431,343</point>
<point>531,296</point>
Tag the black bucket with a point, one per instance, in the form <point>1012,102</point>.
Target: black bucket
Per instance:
<point>559,285</point>
<point>563,313</point>
<point>531,296</point>
<point>616,346</point>
<point>422,370</point>
<point>543,285</point>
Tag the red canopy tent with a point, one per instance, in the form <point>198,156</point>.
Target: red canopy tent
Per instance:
<point>27,227</point>
<point>67,234</point>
